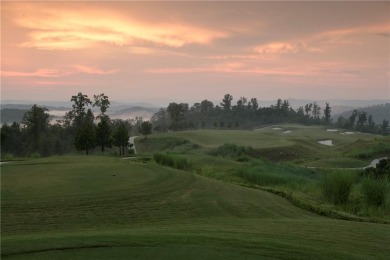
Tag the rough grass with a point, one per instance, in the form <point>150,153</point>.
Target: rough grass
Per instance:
<point>144,211</point>
<point>265,173</point>
<point>375,191</point>
<point>173,161</point>
<point>338,162</point>
<point>336,186</point>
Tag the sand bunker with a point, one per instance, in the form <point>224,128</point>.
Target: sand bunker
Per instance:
<point>276,128</point>
<point>326,142</point>
<point>332,130</point>
<point>286,132</point>
<point>349,133</point>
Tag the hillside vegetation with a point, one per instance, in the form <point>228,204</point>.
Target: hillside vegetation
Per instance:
<point>378,112</point>
<point>107,207</point>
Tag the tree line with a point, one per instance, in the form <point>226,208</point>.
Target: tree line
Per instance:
<point>363,122</point>
<point>247,114</point>
<point>79,131</point>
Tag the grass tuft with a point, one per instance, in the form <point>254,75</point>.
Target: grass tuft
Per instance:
<point>375,191</point>
<point>337,186</point>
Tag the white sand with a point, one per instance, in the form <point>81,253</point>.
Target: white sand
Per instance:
<point>286,132</point>
<point>276,128</point>
<point>349,133</point>
<point>326,142</point>
<point>332,130</point>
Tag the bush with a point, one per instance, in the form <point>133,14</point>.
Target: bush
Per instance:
<point>35,155</point>
<point>337,186</point>
<point>232,150</point>
<point>172,161</point>
<point>382,170</point>
<point>131,151</point>
<point>7,157</point>
<point>265,173</point>
<point>181,163</point>
<point>375,191</point>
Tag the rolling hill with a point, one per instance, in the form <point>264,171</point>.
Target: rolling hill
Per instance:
<point>88,207</point>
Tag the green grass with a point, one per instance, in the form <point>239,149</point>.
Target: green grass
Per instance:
<point>300,145</point>
<point>74,207</point>
<point>338,162</point>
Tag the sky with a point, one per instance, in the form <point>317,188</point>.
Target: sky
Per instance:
<point>190,51</point>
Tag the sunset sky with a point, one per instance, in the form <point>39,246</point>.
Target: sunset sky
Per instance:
<point>190,51</point>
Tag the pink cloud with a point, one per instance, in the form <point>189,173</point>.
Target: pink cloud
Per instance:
<point>92,70</point>
<point>52,73</point>
<point>45,73</point>
<point>83,28</point>
<point>276,48</point>
<point>229,67</point>
<point>56,83</point>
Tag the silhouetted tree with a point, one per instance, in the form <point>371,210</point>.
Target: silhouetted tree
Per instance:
<point>121,138</point>
<point>227,102</point>
<point>327,113</point>
<point>36,121</point>
<point>145,129</point>
<point>85,137</point>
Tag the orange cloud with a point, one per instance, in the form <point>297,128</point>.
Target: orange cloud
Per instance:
<point>45,73</point>
<point>319,42</point>
<point>276,48</point>
<point>51,29</point>
<point>229,67</point>
<point>91,70</point>
<point>51,73</point>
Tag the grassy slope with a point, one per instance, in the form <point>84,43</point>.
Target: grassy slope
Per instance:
<point>144,210</point>
<point>301,144</point>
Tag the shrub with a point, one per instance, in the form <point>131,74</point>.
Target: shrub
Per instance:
<point>231,150</point>
<point>375,191</point>
<point>7,157</point>
<point>382,170</point>
<point>181,163</point>
<point>337,186</point>
<point>35,155</point>
<point>131,151</point>
<point>265,173</point>
<point>172,161</point>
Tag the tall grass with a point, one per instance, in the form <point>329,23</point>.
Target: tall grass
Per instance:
<point>232,150</point>
<point>375,191</point>
<point>379,149</point>
<point>269,174</point>
<point>173,161</point>
<point>336,186</point>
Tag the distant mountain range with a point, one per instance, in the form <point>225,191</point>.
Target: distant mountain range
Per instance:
<point>378,112</point>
